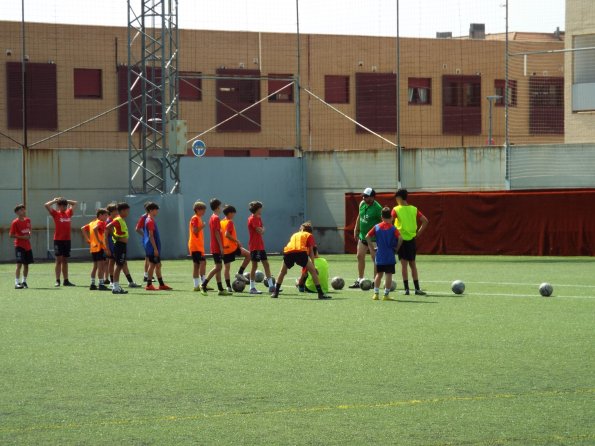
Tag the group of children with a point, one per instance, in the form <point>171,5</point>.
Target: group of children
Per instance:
<point>107,236</point>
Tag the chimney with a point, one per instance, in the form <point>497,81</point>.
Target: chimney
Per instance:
<point>477,31</point>
<point>444,35</point>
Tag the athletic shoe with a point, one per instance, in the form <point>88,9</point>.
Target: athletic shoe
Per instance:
<point>355,285</point>
<point>102,288</point>
<point>18,286</point>
<point>164,287</point>
<point>255,291</point>
<point>93,287</point>
<point>272,289</point>
<point>420,293</point>
<point>274,295</point>
<point>301,288</point>
<point>224,293</point>
<point>197,288</point>
<point>119,291</point>
<point>209,289</point>
<point>406,293</point>
<point>68,283</point>
<point>134,285</point>
<point>57,284</point>
<point>387,297</point>
<point>150,288</point>
<point>106,282</point>
<point>324,296</point>
<point>24,285</point>
<point>242,278</point>
<point>144,279</point>
<point>375,296</point>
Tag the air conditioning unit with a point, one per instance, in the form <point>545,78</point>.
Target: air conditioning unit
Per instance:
<point>477,31</point>
<point>176,137</point>
<point>444,35</point>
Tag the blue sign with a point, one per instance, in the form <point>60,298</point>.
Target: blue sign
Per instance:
<point>199,148</point>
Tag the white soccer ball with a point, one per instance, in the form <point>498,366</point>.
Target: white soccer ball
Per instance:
<point>366,284</point>
<point>258,276</point>
<point>546,289</point>
<point>458,287</point>
<point>337,283</point>
<point>393,285</point>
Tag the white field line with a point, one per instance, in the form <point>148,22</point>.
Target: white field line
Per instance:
<point>513,283</point>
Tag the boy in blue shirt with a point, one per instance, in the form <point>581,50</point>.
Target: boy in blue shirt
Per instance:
<point>388,241</point>
<point>152,244</point>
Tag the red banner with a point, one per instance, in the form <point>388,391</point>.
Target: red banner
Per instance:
<point>559,223</point>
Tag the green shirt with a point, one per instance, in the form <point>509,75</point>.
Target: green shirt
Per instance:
<point>321,266</point>
<point>368,217</point>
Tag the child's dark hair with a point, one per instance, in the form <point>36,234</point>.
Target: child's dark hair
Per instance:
<point>61,201</point>
<point>122,206</point>
<point>228,209</point>
<point>214,203</point>
<point>150,206</point>
<point>401,193</point>
<point>18,207</point>
<point>386,212</point>
<point>146,204</point>
<point>254,206</point>
<point>111,207</point>
<point>307,226</point>
<point>101,211</point>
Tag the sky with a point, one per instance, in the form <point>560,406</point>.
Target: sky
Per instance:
<point>417,18</point>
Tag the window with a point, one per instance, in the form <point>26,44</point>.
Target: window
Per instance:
<point>190,86</point>
<point>278,81</point>
<point>87,83</point>
<point>420,91</point>
<point>234,95</point>
<point>336,89</point>
<point>461,105</point>
<point>376,101</point>
<point>499,86</point>
<point>583,74</point>
<point>546,105</point>
<point>42,102</point>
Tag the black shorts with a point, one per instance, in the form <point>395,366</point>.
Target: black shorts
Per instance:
<point>217,257</point>
<point>98,256</point>
<point>24,256</point>
<point>386,268</point>
<point>296,257</point>
<point>197,256</point>
<point>228,258</point>
<point>120,253</point>
<point>407,250</point>
<point>258,256</point>
<point>153,259</point>
<point>62,248</point>
<point>110,254</point>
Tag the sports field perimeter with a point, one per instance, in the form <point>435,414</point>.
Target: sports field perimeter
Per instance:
<point>498,365</point>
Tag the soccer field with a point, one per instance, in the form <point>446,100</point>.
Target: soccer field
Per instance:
<point>498,365</point>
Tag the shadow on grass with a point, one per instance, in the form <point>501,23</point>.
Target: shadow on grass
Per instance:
<point>415,301</point>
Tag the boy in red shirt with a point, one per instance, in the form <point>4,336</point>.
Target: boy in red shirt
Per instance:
<point>62,216</point>
<point>232,247</point>
<point>216,248</point>
<point>20,231</point>
<point>256,248</point>
<point>140,230</point>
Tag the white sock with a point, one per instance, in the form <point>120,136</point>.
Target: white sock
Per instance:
<point>252,284</point>
<point>16,281</point>
<point>92,280</point>
<point>376,290</point>
<point>146,275</point>
<point>196,281</point>
<point>202,278</point>
<point>360,279</point>
<point>24,278</point>
<point>386,291</point>
<point>117,286</point>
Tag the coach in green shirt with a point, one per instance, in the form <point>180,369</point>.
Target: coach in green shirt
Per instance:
<point>369,215</point>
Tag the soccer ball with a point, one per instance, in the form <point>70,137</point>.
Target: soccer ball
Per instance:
<point>247,276</point>
<point>259,276</point>
<point>238,285</point>
<point>337,283</point>
<point>546,289</point>
<point>458,287</point>
<point>365,284</point>
<point>393,285</point>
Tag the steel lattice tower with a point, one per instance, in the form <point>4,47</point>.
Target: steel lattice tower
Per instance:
<point>152,95</point>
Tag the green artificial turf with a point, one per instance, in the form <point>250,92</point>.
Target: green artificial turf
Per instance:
<point>498,365</point>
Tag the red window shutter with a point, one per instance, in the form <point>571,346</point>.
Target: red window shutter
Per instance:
<point>234,95</point>
<point>336,89</point>
<point>286,94</point>
<point>190,86</point>
<point>461,105</point>
<point>87,83</point>
<point>376,101</point>
<point>42,99</point>
<point>546,105</point>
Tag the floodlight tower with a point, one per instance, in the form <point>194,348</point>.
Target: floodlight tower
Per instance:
<point>152,95</point>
